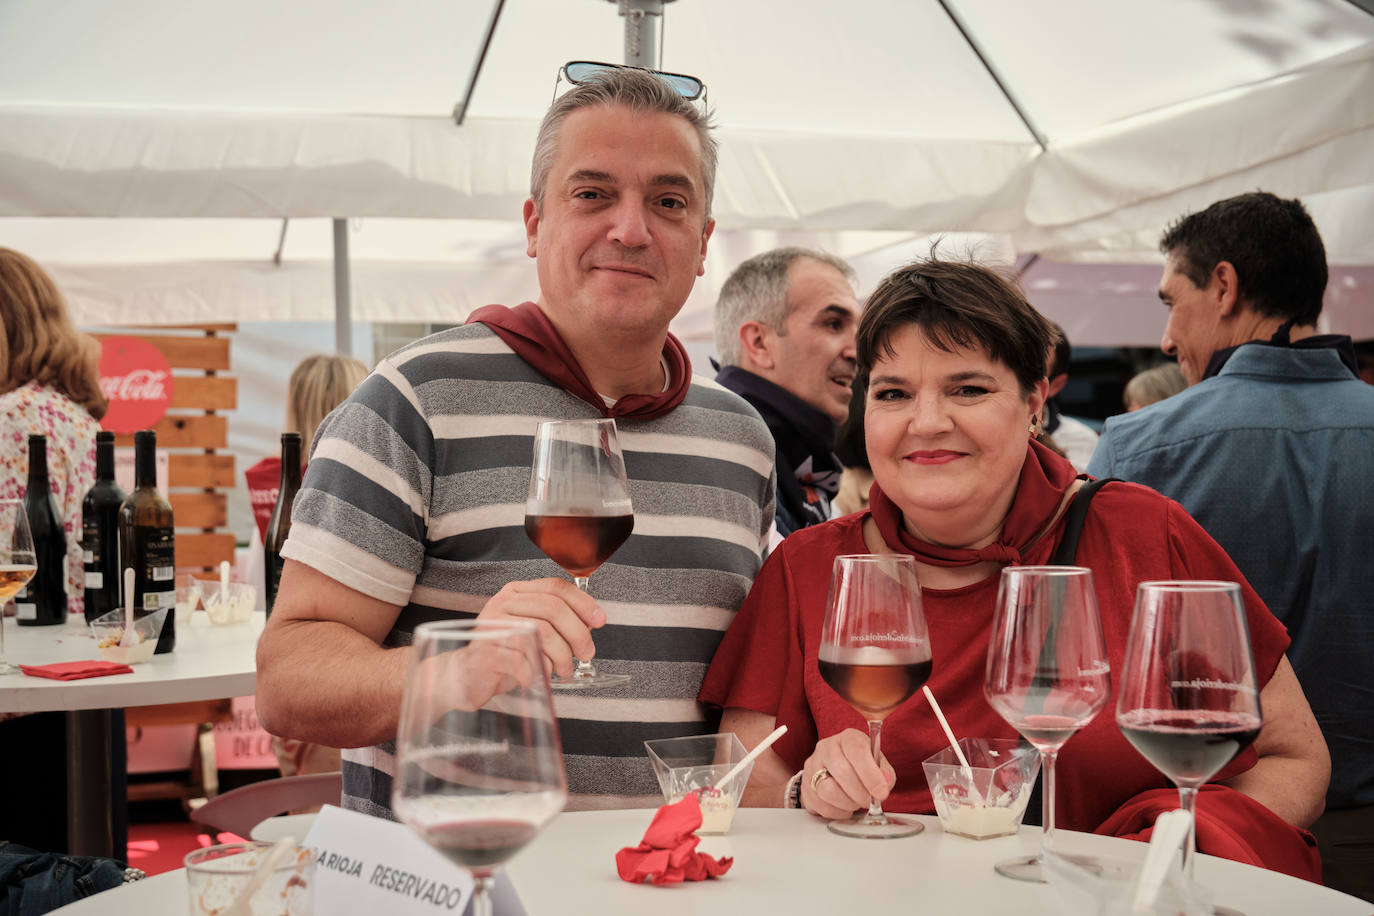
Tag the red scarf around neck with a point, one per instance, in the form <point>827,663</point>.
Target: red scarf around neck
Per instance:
<point>1045,477</point>
<point>528,331</point>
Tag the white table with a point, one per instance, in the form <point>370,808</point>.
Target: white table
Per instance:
<point>209,663</point>
<point>787,862</point>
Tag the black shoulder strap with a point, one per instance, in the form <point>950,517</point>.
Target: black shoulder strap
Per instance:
<point>1073,522</point>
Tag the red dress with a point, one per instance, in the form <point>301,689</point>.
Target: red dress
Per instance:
<point>767,661</point>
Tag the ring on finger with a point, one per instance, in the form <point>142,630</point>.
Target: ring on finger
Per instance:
<point>816,777</point>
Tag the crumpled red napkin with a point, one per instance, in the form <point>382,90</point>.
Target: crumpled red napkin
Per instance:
<point>75,671</point>
<point>668,855</point>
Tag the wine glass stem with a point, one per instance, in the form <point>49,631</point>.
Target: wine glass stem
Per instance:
<point>1187,799</point>
<point>481,895</point>
<point>875,734</point>
<point>584,668</point>
<point>1047,759</point>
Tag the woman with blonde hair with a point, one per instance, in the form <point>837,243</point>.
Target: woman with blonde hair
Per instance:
<point>1152,385</point>
<point>50,386</point>
<point>318,384</point>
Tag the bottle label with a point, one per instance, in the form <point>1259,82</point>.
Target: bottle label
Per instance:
<point>25,611</point>
<point>95,580</point>
<point>88,556</point>
<point>159,568</point>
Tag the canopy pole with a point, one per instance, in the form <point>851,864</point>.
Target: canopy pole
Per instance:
<point>996,77</point>
<point>643,22</point>
<point>460,111</point>
<point>343,307</point>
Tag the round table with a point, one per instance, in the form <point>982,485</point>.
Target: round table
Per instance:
<point>786,861</point>
<point>209,663</point>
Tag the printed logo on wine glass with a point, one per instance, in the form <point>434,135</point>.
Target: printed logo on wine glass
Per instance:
<point>1208,684</point>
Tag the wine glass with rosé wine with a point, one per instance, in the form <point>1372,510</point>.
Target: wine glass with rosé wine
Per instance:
<point>578,511</point>
<point>479,769</point>
<point>1047,675</point>
<point>875,653</point>
<point>1189,701</point>
<point>18,563</point>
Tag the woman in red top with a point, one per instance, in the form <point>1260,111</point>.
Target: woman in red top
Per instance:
<point>953,359</point>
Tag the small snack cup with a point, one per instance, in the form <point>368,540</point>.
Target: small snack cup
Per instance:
<point>694,765</point>
<point>1003,773</point>
<point>188,596</point>
<point>108,630</point>
<point>215,876</point>
<point>227,607</point>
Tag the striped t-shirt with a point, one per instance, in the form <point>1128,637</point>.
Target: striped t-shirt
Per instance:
<point>415,494</point>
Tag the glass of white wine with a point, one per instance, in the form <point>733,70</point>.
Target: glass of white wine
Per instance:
<point>17,562</point>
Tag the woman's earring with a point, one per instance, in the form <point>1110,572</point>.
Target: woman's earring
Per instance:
<point>1035,425</point>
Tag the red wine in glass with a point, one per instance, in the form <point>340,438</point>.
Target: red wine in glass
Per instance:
<point>578,511</point>
<point>481,846</point>
<point>579,543</point>
<point>1188,746</point>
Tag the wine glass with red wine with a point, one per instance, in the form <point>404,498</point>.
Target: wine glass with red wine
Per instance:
<point>18,563</point>
<point>1189,702</point>
<point>875,653</point>
<point>1047,675</point>
<point>578,510</point>
<point>479,770</point>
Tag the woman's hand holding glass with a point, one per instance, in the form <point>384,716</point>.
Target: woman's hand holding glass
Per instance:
<point>852,779</point>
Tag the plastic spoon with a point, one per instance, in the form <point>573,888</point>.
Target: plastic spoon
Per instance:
<point>749,757</point>
<point>954,743</point>
<point>126,639</point>
<point>279,851</point>
<point>1171,829</point>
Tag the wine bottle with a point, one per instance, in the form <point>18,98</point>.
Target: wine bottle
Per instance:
<point>280,525</point>
<point>100,532</point>
<point>147,542</point>
<point>44,600</point>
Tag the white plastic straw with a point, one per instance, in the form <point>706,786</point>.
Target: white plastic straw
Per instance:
<point>126,639</point>
<point>953,741</point>
<point>762,746</point>
<point>274,857</point>
<point>223,579</point>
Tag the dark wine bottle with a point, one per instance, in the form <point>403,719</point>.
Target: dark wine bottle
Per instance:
<point>147,542</point>
<point>100,532</point>
<point>280,525</point>
<point>43,602</point>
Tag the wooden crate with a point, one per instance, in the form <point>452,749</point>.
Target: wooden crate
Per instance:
<point>193,433</point>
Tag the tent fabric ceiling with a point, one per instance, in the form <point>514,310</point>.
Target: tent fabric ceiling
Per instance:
<point>862,127</point>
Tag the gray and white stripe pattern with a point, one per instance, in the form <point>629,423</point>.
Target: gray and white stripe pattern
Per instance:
<point>415,494</point>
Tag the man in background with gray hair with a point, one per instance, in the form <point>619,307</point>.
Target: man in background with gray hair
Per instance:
<point>785,324</point>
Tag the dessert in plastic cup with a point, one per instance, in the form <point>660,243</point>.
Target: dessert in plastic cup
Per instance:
<point>216,875</point>
<point>108,630</point>
<point>989,799</point>
<point>694,765</point>
<point>227,607</point>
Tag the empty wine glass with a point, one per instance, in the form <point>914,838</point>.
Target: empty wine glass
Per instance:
<point>578,510</point>
<point>479,770</point>
<point>17,563</point>
<point>1047,675</point>
<point>1189,702</point>
<point>875,653</point>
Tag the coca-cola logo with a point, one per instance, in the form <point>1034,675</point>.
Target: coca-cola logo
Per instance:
<point>135,377</point>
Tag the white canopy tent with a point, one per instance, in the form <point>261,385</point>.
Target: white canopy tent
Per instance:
<point>149,151</point>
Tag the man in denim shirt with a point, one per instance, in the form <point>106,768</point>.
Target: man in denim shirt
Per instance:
<point>1271,449</point>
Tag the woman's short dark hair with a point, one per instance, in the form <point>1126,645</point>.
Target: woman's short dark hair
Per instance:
<point>956,304</point>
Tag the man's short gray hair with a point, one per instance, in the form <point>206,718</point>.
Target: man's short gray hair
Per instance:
<point>757,291</point>
<point>637,90</point>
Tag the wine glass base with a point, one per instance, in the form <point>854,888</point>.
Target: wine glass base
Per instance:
<point>883,827</point>
<point>588,681</point>
<point>7,668</point>
<point>1030,868</point>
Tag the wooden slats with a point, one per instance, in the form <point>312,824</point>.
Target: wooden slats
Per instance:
<point>211,353</point>
<point>205,392</point>
<point>198,510</point>
<point>206,471</point>
<point>183,431</point>
<point>192,713</point>
<point>204,550</point>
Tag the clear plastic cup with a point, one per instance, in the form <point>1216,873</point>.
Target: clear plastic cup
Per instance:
<point>988,799</point>
<point>216,875</point>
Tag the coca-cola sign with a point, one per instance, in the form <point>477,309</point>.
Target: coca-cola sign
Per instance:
<point>136,379</point>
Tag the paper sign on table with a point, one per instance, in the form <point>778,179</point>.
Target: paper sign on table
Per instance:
<point>366,865</point>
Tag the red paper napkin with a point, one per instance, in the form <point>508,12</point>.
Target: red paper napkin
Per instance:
<point>75,671</point>
<point>668,853</point>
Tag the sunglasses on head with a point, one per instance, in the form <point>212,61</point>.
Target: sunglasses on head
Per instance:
<point>577,72</point>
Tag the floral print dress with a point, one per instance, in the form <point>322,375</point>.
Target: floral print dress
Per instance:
<point>37,409</point>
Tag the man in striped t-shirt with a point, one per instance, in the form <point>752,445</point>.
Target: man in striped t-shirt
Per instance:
<point>412,507</point>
